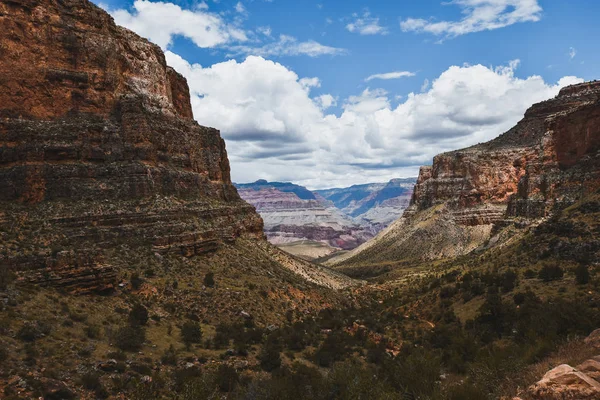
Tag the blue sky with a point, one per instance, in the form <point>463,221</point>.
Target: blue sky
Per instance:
<point>472,66</point>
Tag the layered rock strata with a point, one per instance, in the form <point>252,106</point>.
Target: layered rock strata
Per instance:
<point>99,153</point>
<point>549,160</point>
<point>288,218</point>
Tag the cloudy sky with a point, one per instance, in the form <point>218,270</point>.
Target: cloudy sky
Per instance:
<point>330,93</point>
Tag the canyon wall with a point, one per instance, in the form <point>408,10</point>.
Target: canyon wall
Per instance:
<point>548,161</point>
<point>99,152</point>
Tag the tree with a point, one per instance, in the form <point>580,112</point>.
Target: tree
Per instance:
<point>138,315</point>
<point>191,332</point>
<point>582,274</point>
<point>130,338</point>
<point>550,273</point>
<point>209,279</point>
<point>269,356</point>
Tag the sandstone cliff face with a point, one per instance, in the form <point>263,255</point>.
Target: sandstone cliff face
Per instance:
<point>99,151</point>
<point>546,162</point>
<point>289,218</point>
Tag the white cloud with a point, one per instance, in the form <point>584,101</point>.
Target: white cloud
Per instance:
<point>479,15</point>
<point>366,25</point>
<point>391,75</point>
<point>239,7</point>
<point>278,130</point>
<point>160,22</point>
<point>572,52</point>
<point>265,30</point>
<point>425,85</point>
<point>287,46</point>
<point>325,101</point>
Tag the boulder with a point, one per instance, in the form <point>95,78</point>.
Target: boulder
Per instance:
<point>593,339</point>
<point>565,383</point>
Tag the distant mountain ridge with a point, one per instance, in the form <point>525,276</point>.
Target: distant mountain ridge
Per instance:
<point>340,218</point>
<point>367,195</point>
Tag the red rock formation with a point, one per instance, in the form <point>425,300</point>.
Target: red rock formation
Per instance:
<point>549,160</point>
<point>98,147</point>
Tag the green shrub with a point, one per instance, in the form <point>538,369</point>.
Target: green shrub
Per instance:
<point>227,378</point>
<point>191,332</point>
<point>136,281</point>
<point>130,338</point>
<point>138,315</point>
<point>29,332</point>
<point>551,272</point>
<point>170,356</point>
<point>582,274</point>
<point>269,356</point>
<point>209,279</point>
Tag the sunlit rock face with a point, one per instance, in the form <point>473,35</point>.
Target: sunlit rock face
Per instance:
<point>548,161</point>
<point>99,151</point>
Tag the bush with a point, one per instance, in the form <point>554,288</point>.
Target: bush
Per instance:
<point>227,378</point>
<point>6,277</point>
<point>209,279</point>
<point>519,298</point>
<point>269,356</point>
<point>138,315</point>
<point>508,280</point>
<point>191,332</point>
<point>29,332</point>
<point>582,274</point>
<point>91,381</point>
<point>551,272</point>
<point>529,274</point>
<point>136,281</point>
<point>92,331</point>
<point>130,338</point>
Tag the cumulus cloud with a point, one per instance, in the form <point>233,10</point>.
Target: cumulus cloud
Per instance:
<point>391,75</point>
<point>277,127</point>
<point>160,22</point>
<point>366,25</point>
<point>239,7</point>
<point>479,15</point>
<point>287,46</point>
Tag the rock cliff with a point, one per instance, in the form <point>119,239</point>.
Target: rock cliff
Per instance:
<point>546,162</point>
<point>102,166</point>
<point>376,205</point>
<point>291,213</point>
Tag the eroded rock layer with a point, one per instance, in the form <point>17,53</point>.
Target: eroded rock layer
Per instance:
<point>99,151</point>
<point>549,160</point>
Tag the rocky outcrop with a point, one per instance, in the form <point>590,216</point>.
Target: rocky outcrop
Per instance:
<point>103,171</point>
<point>376,205</point>
<point>565,382</point>
<point>291,214</point>
<point>549,160</point>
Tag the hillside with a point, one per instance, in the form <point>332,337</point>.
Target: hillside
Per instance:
<point>113,199</point>
<point>302,222</point>
<point>132,268</point>
<point>317,224</point>
<point>469,198</point>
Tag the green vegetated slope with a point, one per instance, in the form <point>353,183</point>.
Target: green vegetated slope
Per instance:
<point>475,327</point>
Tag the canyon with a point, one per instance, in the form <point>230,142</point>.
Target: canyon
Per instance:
<point>488,194</point>
<point>100,156</point>
<point>131,266</point>
<point>313,224</point>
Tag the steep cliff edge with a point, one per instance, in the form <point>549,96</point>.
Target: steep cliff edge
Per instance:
<point>546,162</point>
<point>102,167</point>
